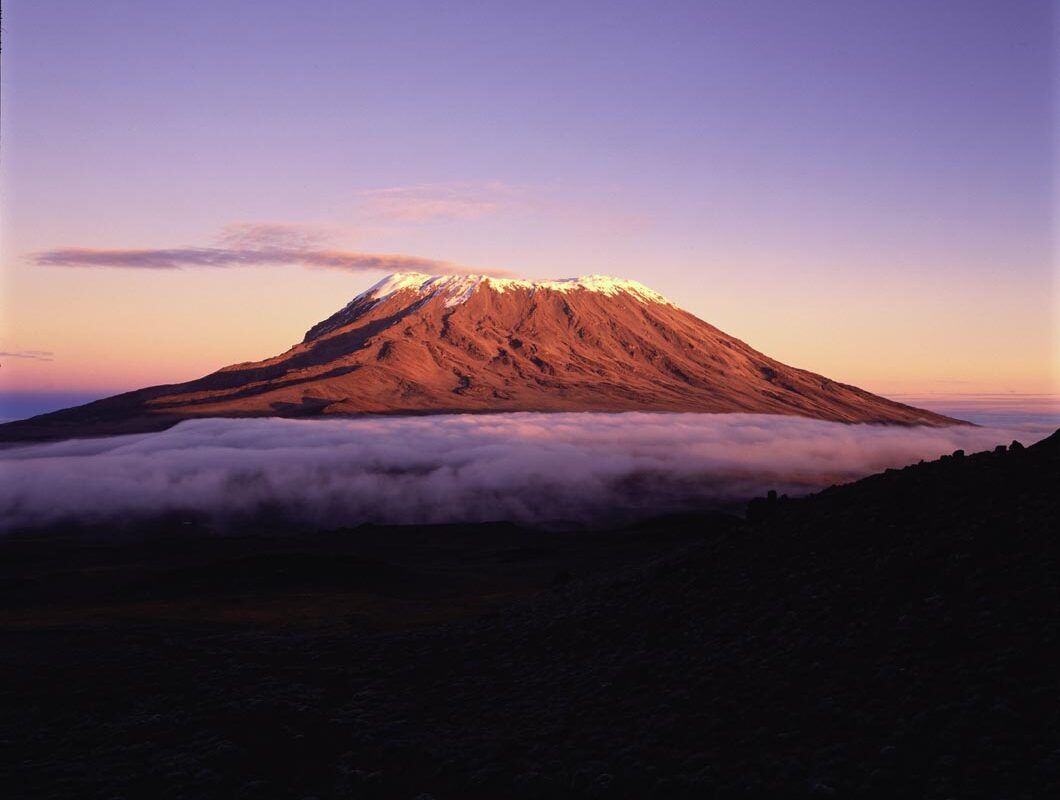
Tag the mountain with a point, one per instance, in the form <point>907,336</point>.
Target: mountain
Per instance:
<point>414,343</point>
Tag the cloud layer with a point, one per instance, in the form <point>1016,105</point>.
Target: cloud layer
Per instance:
<point>525,467</point>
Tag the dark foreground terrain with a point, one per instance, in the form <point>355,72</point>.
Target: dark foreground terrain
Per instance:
<point>897,637</point>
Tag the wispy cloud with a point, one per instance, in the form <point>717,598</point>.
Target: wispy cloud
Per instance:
<point>254,244</point>
<point>436,201</point>
<point>278,235</point>
<point>34,355</point>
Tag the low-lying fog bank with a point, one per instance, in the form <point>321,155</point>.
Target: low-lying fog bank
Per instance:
<point>530,468</point>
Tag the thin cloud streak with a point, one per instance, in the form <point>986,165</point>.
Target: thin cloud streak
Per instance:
<point>255,244</point>
<point>220,257</point>
<point>33,355</point>
<point>451,201</point>
<point>274,235</point>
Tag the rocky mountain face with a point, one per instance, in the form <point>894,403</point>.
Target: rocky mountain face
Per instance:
<point>417,344</point>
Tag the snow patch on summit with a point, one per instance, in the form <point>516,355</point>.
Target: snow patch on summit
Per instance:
<point>457,289</point>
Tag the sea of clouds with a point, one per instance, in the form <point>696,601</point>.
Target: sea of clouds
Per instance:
<point>584,468</point>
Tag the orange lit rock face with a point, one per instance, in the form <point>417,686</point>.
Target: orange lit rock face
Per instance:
<point>486,345</point>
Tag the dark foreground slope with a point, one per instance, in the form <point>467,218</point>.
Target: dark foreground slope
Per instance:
<point>891,638</point>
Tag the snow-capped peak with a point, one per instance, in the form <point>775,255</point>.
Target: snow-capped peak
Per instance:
<point>458,288</point>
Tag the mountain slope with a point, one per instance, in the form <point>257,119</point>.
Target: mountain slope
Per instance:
<point>413,343</point>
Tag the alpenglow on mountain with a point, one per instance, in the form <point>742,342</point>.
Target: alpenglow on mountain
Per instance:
<point>417,343</point>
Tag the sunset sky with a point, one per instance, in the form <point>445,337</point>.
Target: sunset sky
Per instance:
<point>861,189</point>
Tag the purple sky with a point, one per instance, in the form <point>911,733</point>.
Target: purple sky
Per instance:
<point>860,188</point>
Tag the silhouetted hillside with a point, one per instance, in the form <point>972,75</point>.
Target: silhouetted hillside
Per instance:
<point>889,638</point>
